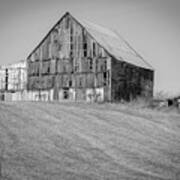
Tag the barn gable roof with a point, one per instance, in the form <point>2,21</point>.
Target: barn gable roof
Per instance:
<point>114,44</point>
<point>111,41</point>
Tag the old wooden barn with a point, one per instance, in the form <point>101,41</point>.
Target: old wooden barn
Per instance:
<point>79,60</point>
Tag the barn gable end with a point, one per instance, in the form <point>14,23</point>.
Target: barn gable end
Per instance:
<point>71,63</point>
<point>78,60</point>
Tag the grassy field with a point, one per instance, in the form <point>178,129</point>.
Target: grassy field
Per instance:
<point>81,141</point>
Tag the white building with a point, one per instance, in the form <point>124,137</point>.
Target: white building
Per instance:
<point>17,76</point>
<point>13,81</point>
<point>2,78</point>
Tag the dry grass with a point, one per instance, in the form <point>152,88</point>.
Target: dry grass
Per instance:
<point>81,141</point>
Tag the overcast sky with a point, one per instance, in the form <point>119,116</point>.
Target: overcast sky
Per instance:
<point>152,27</point>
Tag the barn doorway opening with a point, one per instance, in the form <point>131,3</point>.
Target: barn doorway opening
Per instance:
<point>66,93</point>
<point>170,102</point>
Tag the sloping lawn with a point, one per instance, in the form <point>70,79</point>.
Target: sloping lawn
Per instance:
<point>78,141</point>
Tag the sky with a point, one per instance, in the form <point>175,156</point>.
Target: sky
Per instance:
<point>152,27</point>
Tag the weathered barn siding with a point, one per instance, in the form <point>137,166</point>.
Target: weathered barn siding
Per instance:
<point>129,81</point>
<point>86,62</point>
<point>71,63</point>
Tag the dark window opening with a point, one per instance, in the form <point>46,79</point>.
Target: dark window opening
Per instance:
<point>71,50</point>
<point>105,78</point>
<point>71,31</point>
<point>94,49</point>
<point>66,94</point>
<point>80,82</point>
<point>71,41</point>
<point>105,75</point>
<point>170,102</point>
<point>105,65</point>
<point>85,53</point>
<point>85,49</point>
<point>91,64</point>
<point>71,36</point>
<point>6,83</point>
<point>48,69</point>
<point>70,83</point>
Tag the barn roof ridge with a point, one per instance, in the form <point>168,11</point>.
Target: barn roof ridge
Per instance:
<point>109,40</point>
<point>123,55</point>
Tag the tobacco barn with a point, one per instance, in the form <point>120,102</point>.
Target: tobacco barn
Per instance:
<point>79,60</point>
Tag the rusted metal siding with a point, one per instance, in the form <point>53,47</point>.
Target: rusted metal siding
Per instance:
<point>69,58</point>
